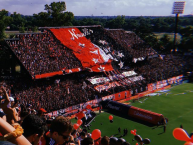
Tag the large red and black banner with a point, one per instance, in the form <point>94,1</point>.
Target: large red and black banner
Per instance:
<point>89,54</point>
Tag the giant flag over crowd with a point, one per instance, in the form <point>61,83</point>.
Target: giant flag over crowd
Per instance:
<point>90,55</point>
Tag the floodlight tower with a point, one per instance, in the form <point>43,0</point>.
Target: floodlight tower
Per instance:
<point>178,8</point>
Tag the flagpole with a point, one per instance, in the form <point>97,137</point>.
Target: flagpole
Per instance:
<point>176,29</point>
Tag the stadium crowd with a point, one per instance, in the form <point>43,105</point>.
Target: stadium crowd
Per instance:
<point>100,37</point>
<point>35,49</point>
<point>156,69</point>
<point>131,42</point>
<point>42,53</point>
<point>120,40</point>
<point>51,95</point>
<point>39,129</point>
<point>63,92</point>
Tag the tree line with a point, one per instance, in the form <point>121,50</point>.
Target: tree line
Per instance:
<point>56,15</point>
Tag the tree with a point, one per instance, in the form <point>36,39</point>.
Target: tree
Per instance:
<point>117,23</point>
<point>58,15</point>
<point>152,41</point>
<point>143,28</point>
<point>18,21</point>
<point>42,19</point>
<point>131,24</point>
<point>187,38</point>
<point>165,43</point>
<point>4,22</point>
<point>35,29</point>
<point>22,28</point>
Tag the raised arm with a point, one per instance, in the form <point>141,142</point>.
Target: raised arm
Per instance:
<point>15,115</point>
<point>7,128</point>
<point>3,105</point>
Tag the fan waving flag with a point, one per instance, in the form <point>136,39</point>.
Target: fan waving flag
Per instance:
<point>90,55</point>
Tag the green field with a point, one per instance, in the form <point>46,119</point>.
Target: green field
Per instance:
<point>171,36</point>
<point>176,107</point>
<point>8,33</point>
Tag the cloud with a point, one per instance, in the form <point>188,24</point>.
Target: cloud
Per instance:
<point>98,7</point>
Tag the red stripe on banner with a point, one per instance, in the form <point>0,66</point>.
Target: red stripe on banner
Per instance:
<point>73,70</point>
<point>46,75</point>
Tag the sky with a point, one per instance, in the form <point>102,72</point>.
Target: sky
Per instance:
<point>99,7</point>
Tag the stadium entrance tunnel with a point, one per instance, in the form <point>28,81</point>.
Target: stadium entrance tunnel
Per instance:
<point>133,113</point>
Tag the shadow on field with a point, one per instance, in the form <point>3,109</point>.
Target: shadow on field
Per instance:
<point>157,127</point>
<point>160,133</point>
<point>119,135</point>
<point>130,118</point>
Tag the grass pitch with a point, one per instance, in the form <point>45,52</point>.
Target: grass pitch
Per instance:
<point>171,36</point>
<point>176,105</point>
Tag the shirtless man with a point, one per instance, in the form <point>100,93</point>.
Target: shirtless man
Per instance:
<point>8,109</point>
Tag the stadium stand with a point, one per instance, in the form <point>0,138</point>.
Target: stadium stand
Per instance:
<point>42,53</point>
<point>67,52</point>
<point>70,67</point>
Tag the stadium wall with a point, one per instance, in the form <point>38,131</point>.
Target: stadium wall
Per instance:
<point>123,96</point>
<point>133,112</point>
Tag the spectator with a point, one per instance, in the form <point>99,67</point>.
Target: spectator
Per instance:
<point>113,141</point>
<point>82,136</point>
<point>105,140</point>
<point>34,128</point>
<point>120,141</point>
<point>8,108</point>
<point>2,114</point>
<point>41,112</point>
<point>60,130</point>
<point>42,53</point>
<point>87,141</point>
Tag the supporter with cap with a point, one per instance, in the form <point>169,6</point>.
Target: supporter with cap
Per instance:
<point>41,112</point>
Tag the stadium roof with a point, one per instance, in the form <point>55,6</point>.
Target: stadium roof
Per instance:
<point>70,27</point>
